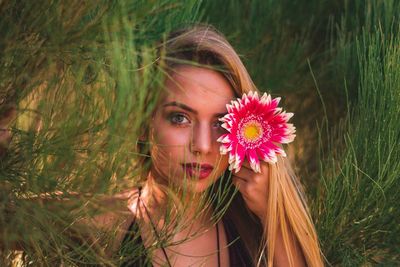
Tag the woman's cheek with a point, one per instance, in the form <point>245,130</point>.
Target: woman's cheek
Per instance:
<point>172,140</point>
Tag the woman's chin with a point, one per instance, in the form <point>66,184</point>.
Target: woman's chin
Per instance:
<point>194,184</point>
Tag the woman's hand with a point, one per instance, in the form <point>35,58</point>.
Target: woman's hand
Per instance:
<point>254,188</point>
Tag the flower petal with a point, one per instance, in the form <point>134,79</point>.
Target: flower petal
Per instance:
<point>265,99</point>
<point>253,159</point>
<point>239,158</point>
<point>275,102</point>
<point>224,138</point>
<point>225,148</point>
<point>267,152</point>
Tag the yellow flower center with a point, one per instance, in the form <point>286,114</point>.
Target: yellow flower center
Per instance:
<point>252,131</point>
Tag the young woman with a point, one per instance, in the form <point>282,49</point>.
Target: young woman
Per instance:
<point>191,210</point>
<point>265,223</point>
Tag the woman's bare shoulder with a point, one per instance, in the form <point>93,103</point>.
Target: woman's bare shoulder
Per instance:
<point>95,214</point>
<point>114,217</point>
<point>96,210</point>
<point>115,211</point>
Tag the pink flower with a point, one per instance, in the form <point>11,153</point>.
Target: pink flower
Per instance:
<point>255,126</point>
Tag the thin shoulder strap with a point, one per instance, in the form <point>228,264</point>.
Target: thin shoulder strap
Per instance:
<point>155,232</point>
<point>136,214</point>
<point>139,258</point>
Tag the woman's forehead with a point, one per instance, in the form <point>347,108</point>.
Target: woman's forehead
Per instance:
<point>198,86</point>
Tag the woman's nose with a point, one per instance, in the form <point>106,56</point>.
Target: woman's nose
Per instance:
<point>201,142</point>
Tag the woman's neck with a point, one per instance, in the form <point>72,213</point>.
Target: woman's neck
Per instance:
<point>183,205</point>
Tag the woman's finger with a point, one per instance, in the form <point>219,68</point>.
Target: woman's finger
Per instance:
<point>239,182</point>
<point>242,185</point>
<point>246,164</point>
<point>244,173</point>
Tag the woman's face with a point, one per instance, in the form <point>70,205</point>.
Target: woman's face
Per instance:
<point>185,129</point>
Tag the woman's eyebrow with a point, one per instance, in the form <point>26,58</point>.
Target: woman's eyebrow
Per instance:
<point>180,105</point>
<point>187,108</point>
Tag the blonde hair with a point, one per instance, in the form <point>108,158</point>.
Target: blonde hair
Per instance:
<point>287,209</point>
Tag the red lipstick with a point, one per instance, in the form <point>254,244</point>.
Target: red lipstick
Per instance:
<point>197,170</point>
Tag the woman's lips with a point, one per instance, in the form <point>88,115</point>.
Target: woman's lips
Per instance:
<point>197,170</point>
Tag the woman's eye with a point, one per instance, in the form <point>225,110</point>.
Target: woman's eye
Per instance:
<point>178,118</point>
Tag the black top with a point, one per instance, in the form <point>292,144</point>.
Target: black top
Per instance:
<point>134,252</point>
